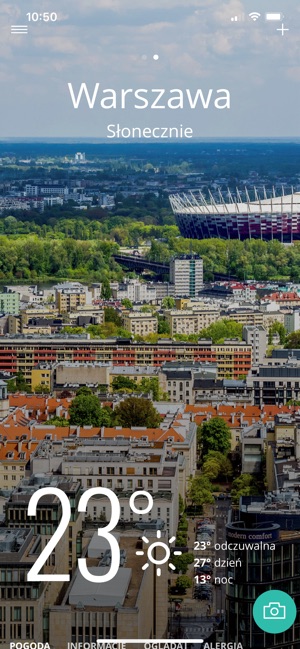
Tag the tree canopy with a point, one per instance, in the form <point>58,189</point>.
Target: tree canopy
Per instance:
<point>217,465</point>
<point>293,340</point>
<point>137,411</point>
<point>244,485</point>
<point>214,435</point>
<point>85,410</point>
<point>200,490</point>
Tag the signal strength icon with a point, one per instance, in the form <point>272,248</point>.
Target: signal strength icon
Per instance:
<point>254,16</point>
<point>234,19</point>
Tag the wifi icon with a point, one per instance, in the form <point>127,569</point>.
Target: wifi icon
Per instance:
<point>254,15</point>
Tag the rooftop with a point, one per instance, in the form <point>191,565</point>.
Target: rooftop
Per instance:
<point>196,203</point>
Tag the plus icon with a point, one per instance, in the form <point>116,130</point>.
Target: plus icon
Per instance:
<point>283,29</point>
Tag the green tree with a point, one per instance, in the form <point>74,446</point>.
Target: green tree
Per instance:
<point>18,384</point>
<point>85,410</point>
<point>168,302</point>
<point>183,582</point>
<point>244,485</point>
<point>182,562</point>
<point>57,421</point>
<point>163,326</point>
<point>127,303</point>
<point>84,390</point>
<point>105,290</point>
<point>211,469</point>
<point>41,389</point>
<point>214,435</point>
<point>293,340</point>
<point>123,383</point>
<point>277,327</point>
<point>150,385</point>
<point>222,329</point>
<point>181,505</point>
<point>111,315</point>
<point>215,460</point>
<point>136,411</point>
<point>200,491</point>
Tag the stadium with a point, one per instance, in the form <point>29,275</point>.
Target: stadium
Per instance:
<point>265,217</point>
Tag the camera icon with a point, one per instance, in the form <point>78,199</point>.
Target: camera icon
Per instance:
<point>274,611</point>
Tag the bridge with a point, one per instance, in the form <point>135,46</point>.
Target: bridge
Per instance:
<point>161,270</point>
<point>134,262</point>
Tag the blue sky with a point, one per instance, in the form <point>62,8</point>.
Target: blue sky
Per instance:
<point>113,42</point>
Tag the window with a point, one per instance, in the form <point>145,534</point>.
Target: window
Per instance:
<point>16,614</point>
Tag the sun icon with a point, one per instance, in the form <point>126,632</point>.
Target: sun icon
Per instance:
<point>151,549</point>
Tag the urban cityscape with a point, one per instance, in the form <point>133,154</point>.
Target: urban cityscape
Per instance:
<point>149,392</point>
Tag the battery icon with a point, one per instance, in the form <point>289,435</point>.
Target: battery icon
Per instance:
<point>274,16</point>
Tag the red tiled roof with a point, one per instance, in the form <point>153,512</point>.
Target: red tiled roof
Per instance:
<point>13,447</point>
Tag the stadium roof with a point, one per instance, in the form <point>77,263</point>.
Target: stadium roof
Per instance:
<point>196,203</point>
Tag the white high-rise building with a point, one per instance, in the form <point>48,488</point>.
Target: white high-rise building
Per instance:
<point>186,273</point>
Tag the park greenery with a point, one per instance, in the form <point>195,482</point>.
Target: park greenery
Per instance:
<point>86,410</point>
<point>62,242</point>
<point>277,328</point>
<point>245,485</point>
<point>183,582</point>
<point>293,340</point>
<point>136,411</point>
<point>182,562</point>
<point>217,466</point>
<point>124,384</point>
<point>200,491</point>
<point>112,326</point>
<point>213,435</point>
<point>18,384</point>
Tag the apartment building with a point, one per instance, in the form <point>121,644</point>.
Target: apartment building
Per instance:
<point>14,457</point>
<point>69,295</point>
<point>42,375</point>
<point>254,317</point>
<point>133,290</point>
<point>189,321</point>
<point>22,602</point>
<point>133,604</point>
<point>45,523</point>
<point>199,383</point>
<point>292,320</point>
<point>138,323</point>
<point>275,384</point>
<point>177,379</point>
<point>256,336</point>
<point>124,465</point>
<point>4,401</point>
<point>18,353</point>
<point>10,303</point>
<point>186,273</point>
<point>283,298</point>
<point>233,359</point>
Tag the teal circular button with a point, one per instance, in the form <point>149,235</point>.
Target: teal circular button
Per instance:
<point>274,611</point>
